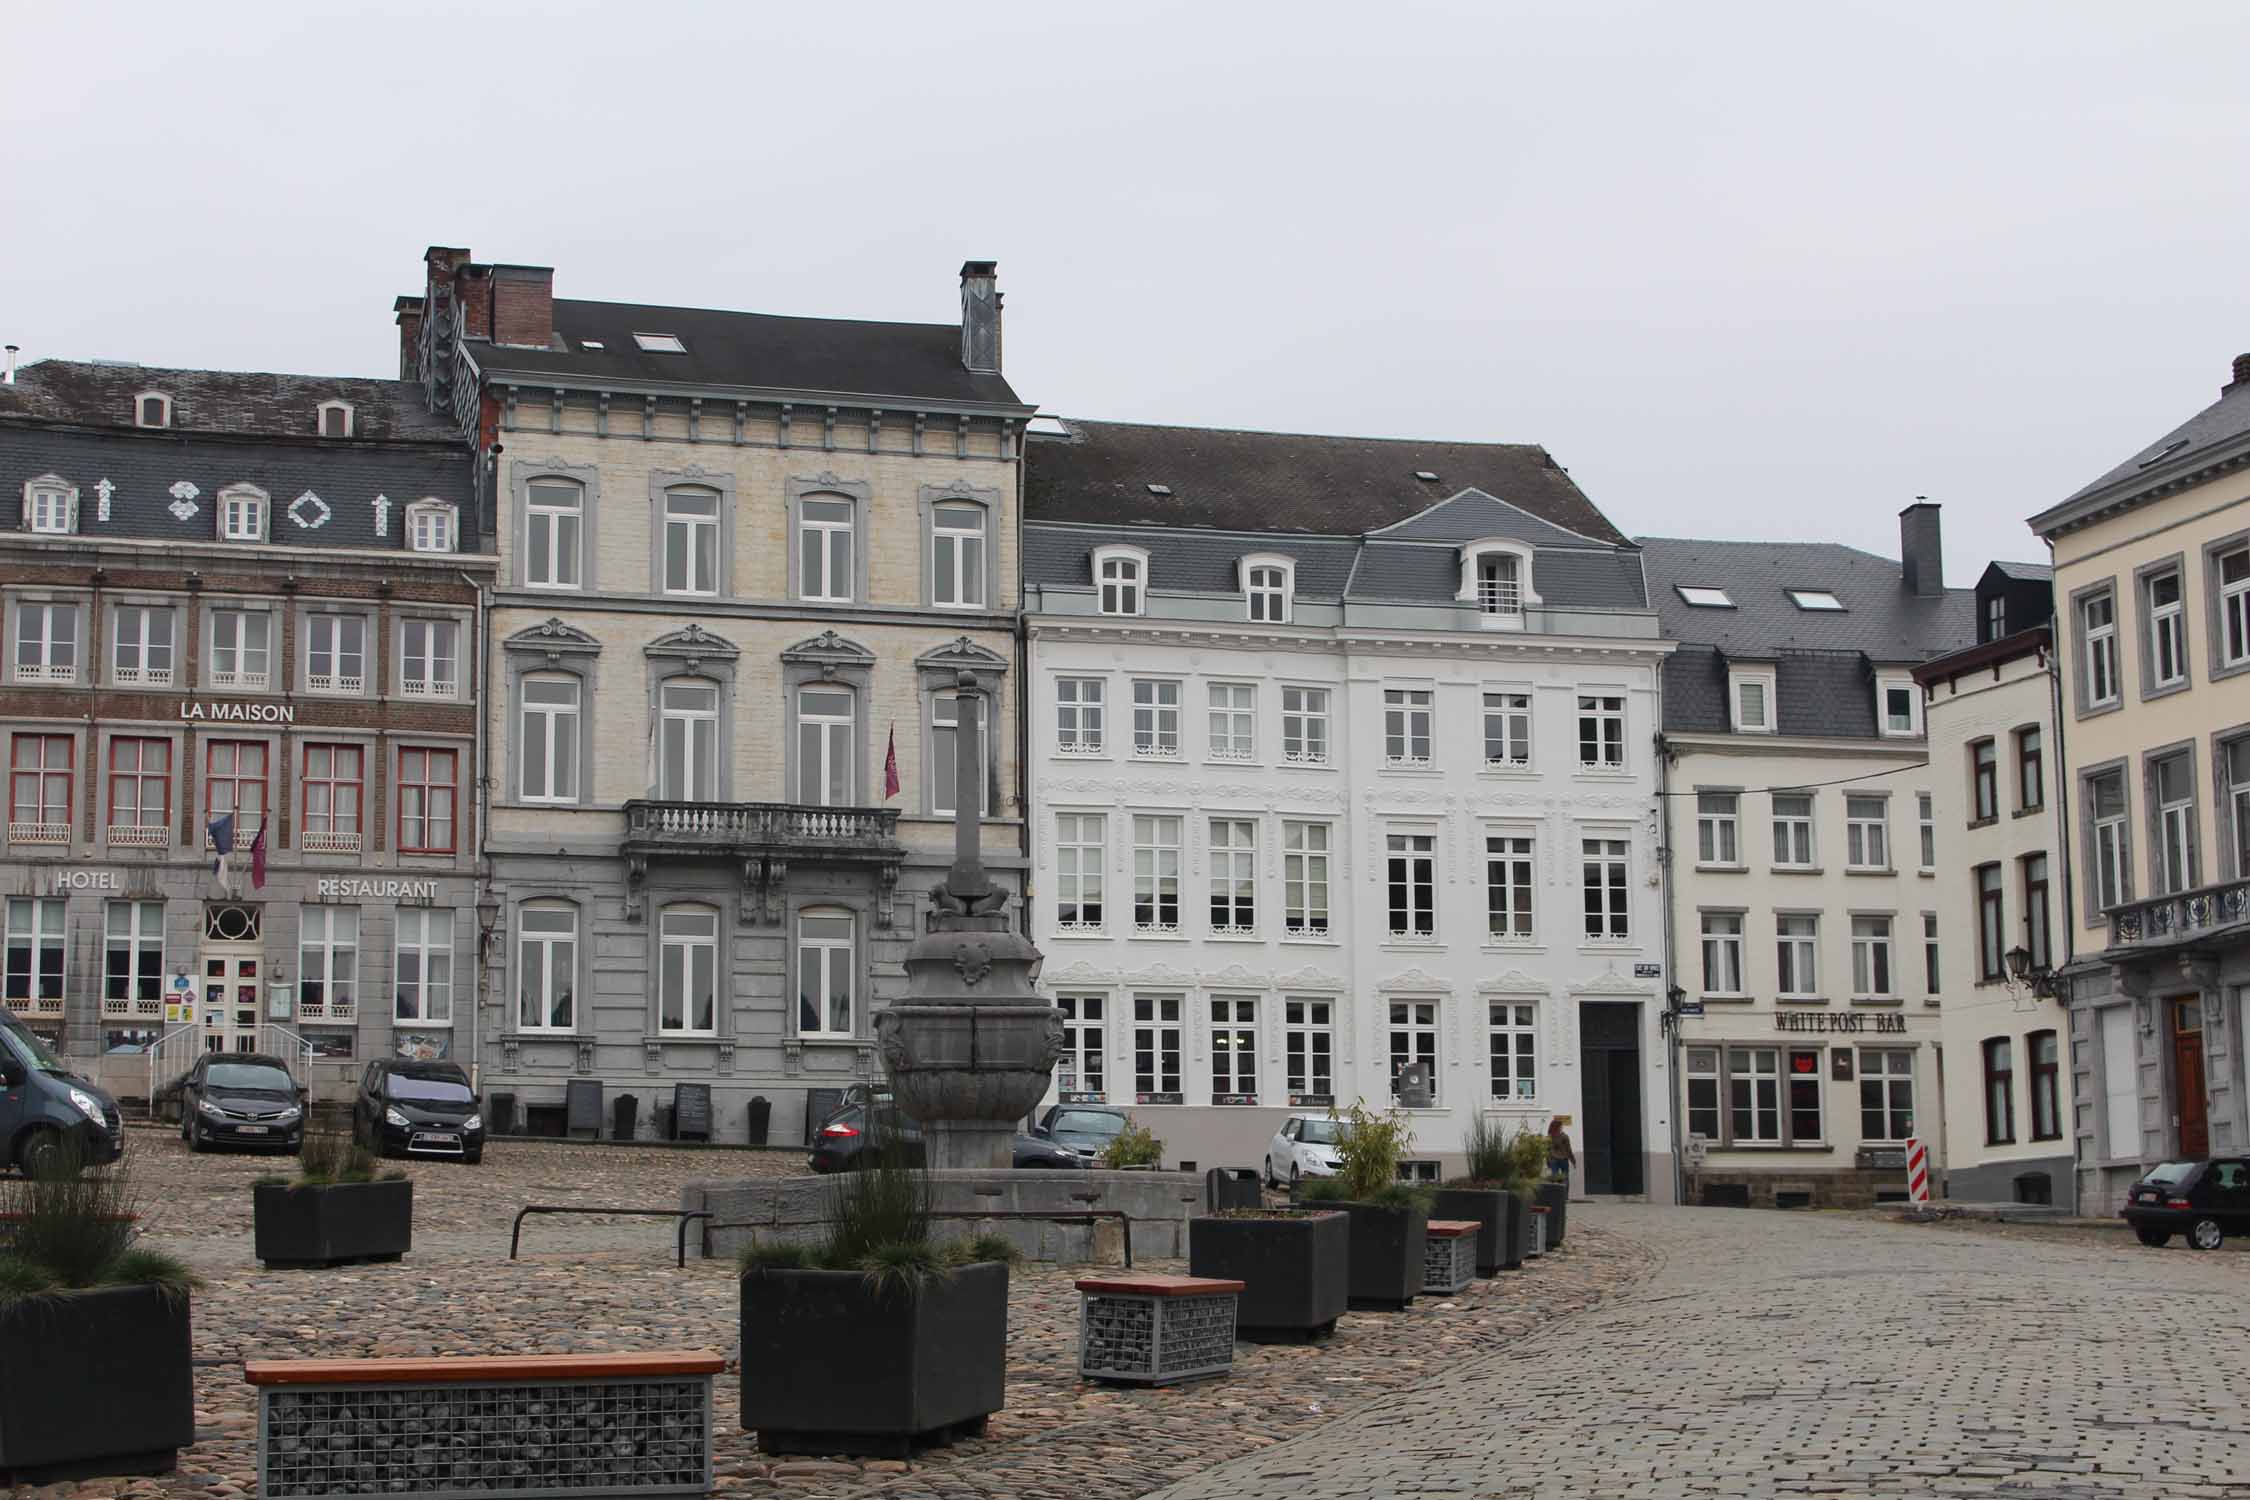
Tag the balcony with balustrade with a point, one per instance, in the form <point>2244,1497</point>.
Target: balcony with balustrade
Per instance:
<point>2204,920</point>
<point>765,838</point>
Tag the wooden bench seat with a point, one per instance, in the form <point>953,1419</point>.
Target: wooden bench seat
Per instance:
<point>482,1368</point>
<point>1151,1328</point>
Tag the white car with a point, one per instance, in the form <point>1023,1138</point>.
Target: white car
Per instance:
<point>1304,1146</point>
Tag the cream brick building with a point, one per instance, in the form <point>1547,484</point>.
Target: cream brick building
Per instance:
<point>744,561</point>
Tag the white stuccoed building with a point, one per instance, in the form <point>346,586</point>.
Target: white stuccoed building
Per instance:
<point>1342,761</point>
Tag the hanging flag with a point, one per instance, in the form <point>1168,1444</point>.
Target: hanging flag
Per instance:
<point>258,860</point>
<point>222,841</point>
<point>890,765</point>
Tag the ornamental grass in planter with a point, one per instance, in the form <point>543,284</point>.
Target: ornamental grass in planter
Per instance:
<point>336,1211</point>
<point>1483,1193</point>
<point>877,1341</point>
<point>1133,1149</point>
<point>94,1352</point>
<point>1389,1218</point>
<point>1294,1267</point>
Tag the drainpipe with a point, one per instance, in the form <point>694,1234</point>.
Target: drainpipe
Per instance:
<point>483,865</point>
<point>1670,1024</point>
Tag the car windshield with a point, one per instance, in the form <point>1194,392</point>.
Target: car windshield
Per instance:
<point>1088,1122</point>
<point>2172,1172</point>
<point>430,1090</point>
<point>1322,1132</point>
<point>258,1078</point>
<point>29,1050</point>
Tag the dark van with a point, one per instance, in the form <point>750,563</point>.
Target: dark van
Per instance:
<point>45,1108</point>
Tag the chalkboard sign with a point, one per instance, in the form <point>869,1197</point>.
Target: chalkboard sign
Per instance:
<point>691,1112</point>
<point>819,1105</point>
<point>582,1102</point>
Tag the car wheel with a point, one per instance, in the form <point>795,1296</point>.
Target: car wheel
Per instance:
<point>1270,1180</point>
<point>2205,1234</point>
<point>2155,1239</point>
<point>42,1153</point>
<point>472,1158</point>
<point>1296,1178</point>
<point>195,1141</point>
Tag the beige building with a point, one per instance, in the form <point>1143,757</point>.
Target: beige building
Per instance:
<point>2152,591</point>
<point>2002,1023</point>
<point>744,563</point>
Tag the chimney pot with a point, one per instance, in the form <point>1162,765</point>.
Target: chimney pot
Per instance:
<point>980,316</point>
<point>1921,549</point>
<point>2241,373</point>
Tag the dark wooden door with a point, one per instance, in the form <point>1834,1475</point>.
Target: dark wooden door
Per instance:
<point>1609,1065</point>
<point>2187,1078</point>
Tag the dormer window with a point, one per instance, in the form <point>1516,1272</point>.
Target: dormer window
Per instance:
<point>50,506</point>
<point>1496,578</point>
<point>335,419</point>
<point>660,343</point>
<point>1121,577</point>
<point>152,409</point>
<point>1898,705</point>
<point>430,526</point>
<point>242,514</point>
<point>1750,694</point>
<point>1268,585</point>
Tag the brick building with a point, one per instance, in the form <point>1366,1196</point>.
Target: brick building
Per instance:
<point>250,594</point>
<point>743,560</point>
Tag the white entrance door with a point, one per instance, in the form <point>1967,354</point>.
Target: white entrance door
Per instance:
<point>234,981</point>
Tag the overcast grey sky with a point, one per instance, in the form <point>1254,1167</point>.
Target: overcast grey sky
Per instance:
<point>1747,270</point>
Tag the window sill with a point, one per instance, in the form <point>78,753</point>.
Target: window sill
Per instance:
<point>1776,1148</point>
<point>1513,945</point>
<point>1410,768</point>
<point>2165,690</point>
<point>1722,869</point>
<point>1608,945</point>
<point>1302,763</point>
<point>801,1039</point>
<point>1798,870</point>
<point>1161,757</point>
<point>1976,823</point>
<point>1073,752</point>
<point>1804,1000</point>
<point>1927,873</point>
<point>2096,710</point>
<point>1309,940</point>
<point>397,1023</point>
<point>1399,943</point>
<point>1217,935</point>
<point>1078,935</point>
<point>2032,811</point>
<point>1508,770</point>
<point>1217,759</point>
<point>1884,870</point>
<point>1879,1002</point>
<point>1602,773</point>
<point>1154,935</point>
<point>1726,1000</point>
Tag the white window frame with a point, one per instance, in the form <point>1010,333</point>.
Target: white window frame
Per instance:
<point>1410,885</point>
<point>254,621</point>
<point>1718,829</point>
<point>2176,862</point>
<point>2099,644</point>
<point>243,510</point>
<point>2167,628</point>
<point>133,931</point>
<point>328,963</point>
<point>424,656</point>
<point>1269,589</point>
<point>38,930</point>
<point>1511,708</point>
<point>1156,718</point>
<point>557,739</point>
<point>145,616</point>
<point>1233,724</point>
<point>432,526</point>
<point>1121,580</point>
<point>827,744</point>
<point>1867,835</point>
<point>320,419</point>
<point>1722,953</point>
<point>336,681</point>
<point>1605,713</point>
<point>1511,886</point>
<point>945,745</point>
<point>1084,1066</point>
<point>1234,877</point>
<point>824,958</point>
<point>1740,699</point>
<point>688,949</point>
<point>1233,1040</point>
<point>694,540</point>
<point>1081,868</point>
<point>2112,873</point>
<point>1080,709</point>
<point>422,966</point>
<point>1887,683</point>
<point>1796,938</point>
<point>2233,625</point>
<point>1925,817</point>
<point>1409,727</point>
<point>547,558</point>
<point>547,966</point>
<point>1882,1070</point>
<point>1496,606</point>
<point>2234,759</point>
<point>1795,846</point>
<point>1874,958</point>
<point>1606,871</point>
<point>1416,1033</point>
<point>1157,842</point>
<point>1157,1039</point>
<point>1512,1050</point>
<point>1308,1047</point>
<point>1307,850</point>
<point>1747,1067</point>
<point>46,654</point>
<point>164,409</point>
<point>1306,726</point>
<point>50,506</point>
<point>695,728</point>
<point>951,575</point>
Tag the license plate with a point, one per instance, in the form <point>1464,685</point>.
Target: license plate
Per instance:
<point>249,1130</point>
<point>437,1140</point>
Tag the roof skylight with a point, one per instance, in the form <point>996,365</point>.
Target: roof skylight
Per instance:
<point>1814,599</point>
<point>2161,451</point>
<point>1703,597</point>
<point>1426,475</point>
<point>591,344</point>
<point>660,343</point>
<point>1160,489</point>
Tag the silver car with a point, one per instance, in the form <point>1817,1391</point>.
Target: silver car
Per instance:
<point>1304,1146</point>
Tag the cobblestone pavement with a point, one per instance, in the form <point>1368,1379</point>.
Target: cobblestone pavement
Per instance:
<point>1788,1354</point>
<point>610,1285</point>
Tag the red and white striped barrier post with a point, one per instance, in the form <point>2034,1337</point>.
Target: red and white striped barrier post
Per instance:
<point>1917,1170</point>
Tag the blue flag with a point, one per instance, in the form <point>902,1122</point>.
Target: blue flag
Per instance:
<point>222,840</point>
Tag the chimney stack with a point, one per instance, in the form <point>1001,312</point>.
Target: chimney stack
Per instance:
<point>980,316</point>
<point>523,305</point>
<point>409,312</point>
<point>1921,551</point>
<point>2241,374</point>
<point>11,380</point>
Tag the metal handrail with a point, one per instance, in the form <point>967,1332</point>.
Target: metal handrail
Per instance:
<point>684,1215</point>
<point>1086,1216</point>
<point>156,1054</point>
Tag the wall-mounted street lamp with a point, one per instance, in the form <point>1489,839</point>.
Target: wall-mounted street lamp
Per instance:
<point>2041,981</point>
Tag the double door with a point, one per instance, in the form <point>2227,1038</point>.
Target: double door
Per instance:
<point>2187,1078</point>
<point>233,992</point>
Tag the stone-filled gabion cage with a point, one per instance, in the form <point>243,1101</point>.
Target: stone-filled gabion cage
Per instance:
<point>1155,1340</point>
<point>528,1438</point>
<point>1449,1261</point>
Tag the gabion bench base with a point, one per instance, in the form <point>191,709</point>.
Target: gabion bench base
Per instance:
<point>782,1442</point>
<point>451,1429</point>
<point>1449,1259</point>
<point>1156,1329</point>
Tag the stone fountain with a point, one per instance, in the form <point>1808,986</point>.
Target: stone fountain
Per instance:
<point>972,1047</point>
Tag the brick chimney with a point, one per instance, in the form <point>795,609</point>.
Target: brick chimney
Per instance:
<point>409,311</point>
<point>980,316</point>
<point>2241,374</point>
<point>523,305</point>
<point>1921,551</point>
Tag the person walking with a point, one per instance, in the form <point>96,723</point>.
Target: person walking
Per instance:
<point>1561,1155</point>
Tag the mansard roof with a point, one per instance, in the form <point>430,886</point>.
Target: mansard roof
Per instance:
<point>1881,618</point>
<point>1133,474</point>
<point>233,403</point>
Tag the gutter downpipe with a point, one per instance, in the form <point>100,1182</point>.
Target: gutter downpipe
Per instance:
<point>484,866</point>
<point>1670,1024</point>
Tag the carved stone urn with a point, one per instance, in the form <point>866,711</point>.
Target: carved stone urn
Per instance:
<point>972,1047</point>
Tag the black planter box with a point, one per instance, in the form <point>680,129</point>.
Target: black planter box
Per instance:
<point>1520,1208</point>
<point>1556,1197</point>
<point>1295,1272</point>
<point>1387,1249</point>
<point>831,1365</point>
<point>1493,1210</point>
<point>336,1225</point>
<point>94,1383</point>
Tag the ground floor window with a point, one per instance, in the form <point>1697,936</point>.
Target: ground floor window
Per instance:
<point>1755,1096</point>
<point>1156,1049</point>
<point>35,954</point>
<point>1414,1039</point>
<point>1309,1050</point>
<point>1079,1076</point>
<point>824,973</point>
<point>133,978</point>
<point>1886,1094</point>
<point>1515,1049</point>
<point>424,989</point>
<point>1234,1050</point>
<point>327,963</point>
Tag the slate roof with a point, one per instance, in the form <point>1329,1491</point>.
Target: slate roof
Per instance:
<point>237,402</point>
<point>2025,572</point>
<point>761,351</point>
<point>1880,618</point>
<point>1817,694</point>
<point>1282,481</point>
<point>2224,421</point>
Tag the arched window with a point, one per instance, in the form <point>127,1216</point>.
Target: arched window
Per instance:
<point>152,409</point>
<point>1121,577</point>
<point>431,526</point>
<point>688,970</point>
<point>554,522</point>
<point>1496,578</point>
<point>548,738</point>
<point>1499,584</point>
<point>50,506</point>
<point>691,541</point>
<point>242,513</point>
<point>1268,584</point>
<point>827,748</point>
<point>688,740</point>
<point>824,972</point>
<point>547,967</point>
<point>335,419</point>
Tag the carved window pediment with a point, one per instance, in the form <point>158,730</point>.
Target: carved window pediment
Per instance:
<point>553,638</point>
<point>828,649</point>
<point>962,654</point>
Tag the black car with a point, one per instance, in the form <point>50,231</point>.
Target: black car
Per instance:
<point>241,1099</point>
<point>845,1142</point>
<point>1086,1129</point>
<point>411,1108</point>
<point>2204,1200</point>
<point>49,1115</point>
